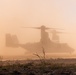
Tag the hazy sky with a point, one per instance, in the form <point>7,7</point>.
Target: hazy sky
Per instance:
<point>51,13</point>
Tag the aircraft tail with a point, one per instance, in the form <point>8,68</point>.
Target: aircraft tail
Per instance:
<point>11,40</point>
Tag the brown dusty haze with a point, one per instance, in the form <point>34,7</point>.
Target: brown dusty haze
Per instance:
<point>29,13</point>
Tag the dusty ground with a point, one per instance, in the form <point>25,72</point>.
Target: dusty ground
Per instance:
<point>40,67</point>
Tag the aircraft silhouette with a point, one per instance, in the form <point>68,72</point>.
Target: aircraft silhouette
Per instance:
<point>45,42</point>
<point>55,36</point>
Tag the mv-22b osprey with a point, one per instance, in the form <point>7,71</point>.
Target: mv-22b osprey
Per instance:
<point>50,45</point>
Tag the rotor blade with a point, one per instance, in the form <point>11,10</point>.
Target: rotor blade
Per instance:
<point>32,27</point>
<point>59,32</point>
<point>54,28</point>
